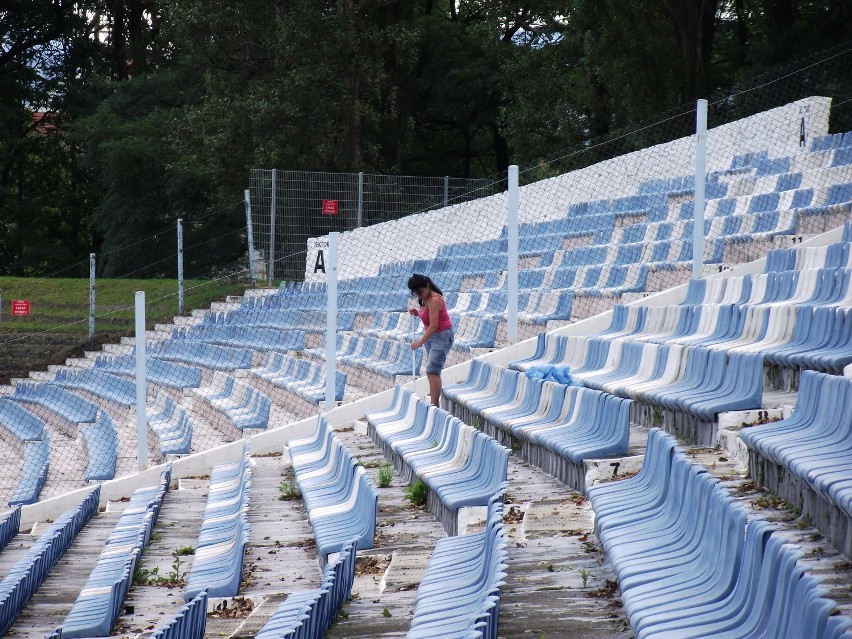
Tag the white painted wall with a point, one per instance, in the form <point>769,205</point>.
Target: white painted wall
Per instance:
<point>363,250</point>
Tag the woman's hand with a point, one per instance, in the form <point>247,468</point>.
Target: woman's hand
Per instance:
<point>412,311</point>
<point>415,345</point>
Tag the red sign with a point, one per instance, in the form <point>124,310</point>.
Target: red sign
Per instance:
<point>329,207</point>
<point>20,307</point>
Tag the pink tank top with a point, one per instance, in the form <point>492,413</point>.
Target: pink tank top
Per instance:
<point>444,321</point>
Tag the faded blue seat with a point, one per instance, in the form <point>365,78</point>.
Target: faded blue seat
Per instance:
<point>217,566</point>
<point>102,597</point>
<point>34,475</point>
<point>102,448</point>
<point>67,405</point>
<point>28,573</point>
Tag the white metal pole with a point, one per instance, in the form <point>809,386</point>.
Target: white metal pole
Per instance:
<point>91,296</point>
<point>699,200</point>
<point>271,269</point>
<point>446,190</point>
<point>141,383</point>
<point>512,267</point>
<point>250,239</point>
<point>331,321</point>
<point>360,219</point>
<point>180,265</point>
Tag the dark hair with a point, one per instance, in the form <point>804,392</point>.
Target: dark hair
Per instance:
<point>418,281</point>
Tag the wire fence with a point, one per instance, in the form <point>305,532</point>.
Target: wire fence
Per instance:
<point>601,225</point>
<point>288,207</point>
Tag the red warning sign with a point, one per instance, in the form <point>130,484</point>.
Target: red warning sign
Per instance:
<point>329,207</point>
<point>20,307</point>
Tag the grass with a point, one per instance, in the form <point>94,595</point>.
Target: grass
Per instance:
<point>417,493</point>
<point>62,304</point>
<point>385,475</point>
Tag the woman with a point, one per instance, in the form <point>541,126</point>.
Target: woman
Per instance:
<point>438,334</point>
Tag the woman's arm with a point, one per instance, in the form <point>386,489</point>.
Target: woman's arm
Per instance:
<point>434,306</point>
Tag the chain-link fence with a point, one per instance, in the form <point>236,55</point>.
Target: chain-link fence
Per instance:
<point>288,207</point>
<point>600,226</point>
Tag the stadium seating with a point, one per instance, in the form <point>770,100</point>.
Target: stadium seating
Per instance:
<point>465,468</point>
<point>300,376</point>
<point>102,447</point>
<point>340,499</point>
<point>244,406</point>
<point>24,578</point>
<point>217,566</point>
<point>255,338</point>
<point>558,426</point>
<point>9,524</point>
<point>213,356</point>
<point>34,475</point>
<point>806,459</point>
<point>172,425</point>
<point>189,623</point>
<point>160,372</point>
<point>63,403</point>
<point>100,602</point>
<point>308,614</point>
<point>459,595</point>
<point>100,384</point>
<point>688,566</point>
<point>20,423</point>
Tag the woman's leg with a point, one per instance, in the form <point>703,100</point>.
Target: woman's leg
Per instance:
<point>434,387</point>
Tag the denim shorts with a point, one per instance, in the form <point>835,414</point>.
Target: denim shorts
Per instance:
<point>437,348</point>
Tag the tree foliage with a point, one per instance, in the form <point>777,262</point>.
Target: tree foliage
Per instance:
<point>119,116</point>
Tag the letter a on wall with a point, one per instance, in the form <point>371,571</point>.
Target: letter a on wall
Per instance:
<point>319,265</point>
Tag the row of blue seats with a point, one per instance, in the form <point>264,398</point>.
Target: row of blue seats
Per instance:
<point>101,440</point>
<point>244,405</point>
<point>689,566</point>
<point>807,257</point>
<point>9,525</point>
<point>831,141</point>
<point>171,424</point>
<point>815,287</point>
<point>255,338</point>
<point>465,468</point>
<point>100,602</point>
<point>299,376</point>
<point>184,351</point>
<point>189,623</point>
<point>812,448</point>
<point>28,573</point>
<point>387,358</point>
<point>789,336</point>
<point>158,371</point>
<point>278,313</point>
<point>21,424</point>
<point>217,565</point>
<point>459,595</point>
<point>56,399</point>
<point>100,384</point>
<point>34,475</point>
<point>690,379</point>
<point>559,426</point>
<point>308,614</point>
<point>341,500</point>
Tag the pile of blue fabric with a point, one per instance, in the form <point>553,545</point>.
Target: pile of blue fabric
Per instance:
<point>552,373</point>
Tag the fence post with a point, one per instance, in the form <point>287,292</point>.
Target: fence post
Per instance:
<point>250,239</point>
<point>446,190</point>
<point>331,322</point>
<point>699,200</point>
<point>1,305</point>
<point>271,268</point>
<point>141,383</point>
<point>180,264</point>
<point>91,296</point>
<point>512,270</point>
<point>359,220</point>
